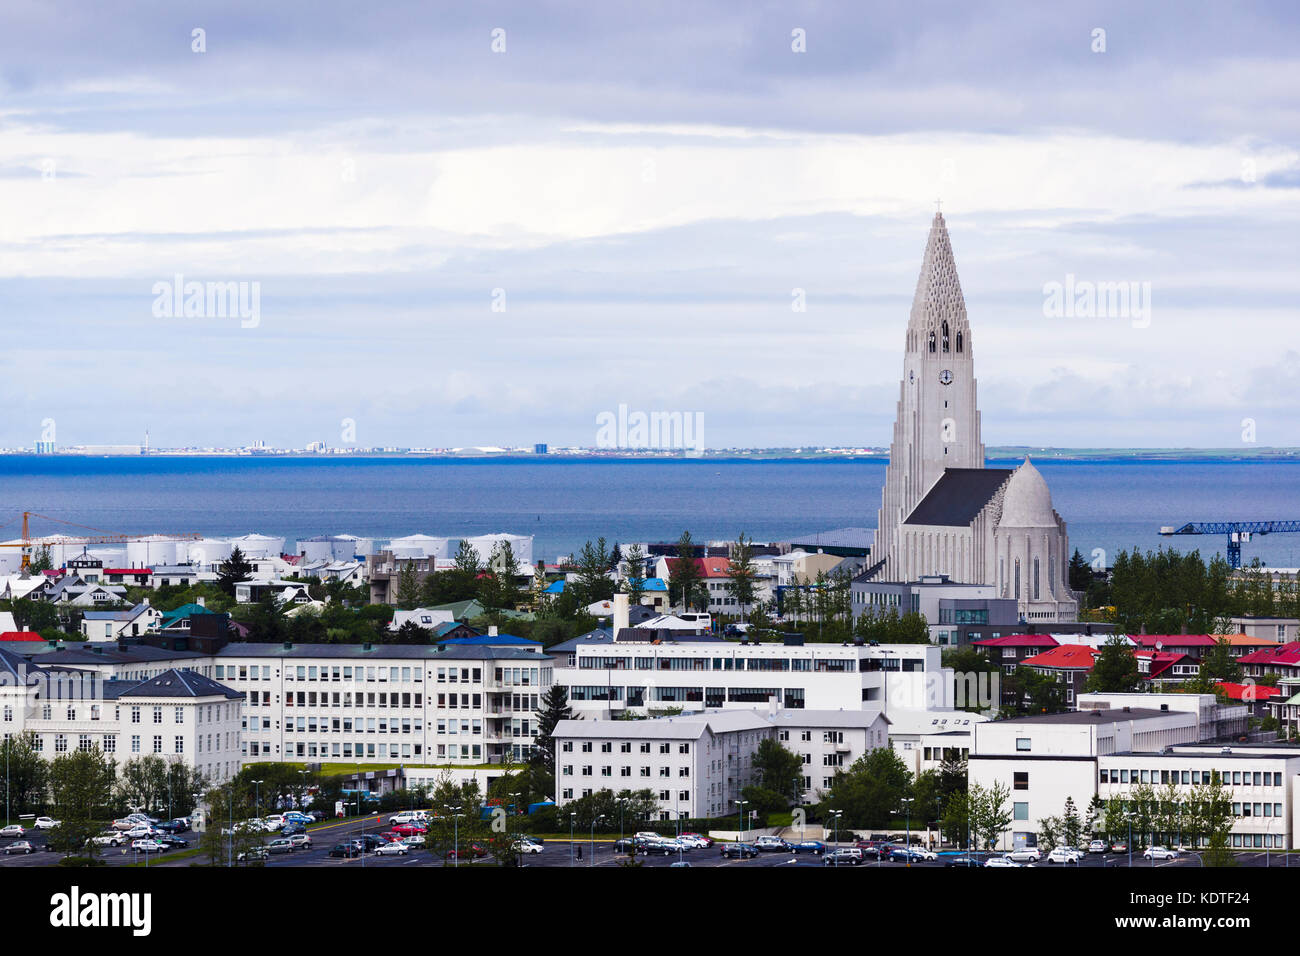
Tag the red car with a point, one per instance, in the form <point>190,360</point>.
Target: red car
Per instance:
<point>408,829</point>
<point>473,851</point>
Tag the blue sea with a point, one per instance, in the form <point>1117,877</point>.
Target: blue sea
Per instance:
<point>564,502</point>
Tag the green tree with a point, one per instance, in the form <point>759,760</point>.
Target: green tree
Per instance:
<point>870,792</point>
<point>634,581</point>
<point>1071,825</point>
<point>142,783</point>
<point>779,770</point>
<point>408,587</point>
<point>1115,669</point>
<point>990,815</point>
<point>27,774</point>
<point>593,582</point>
<point>685,584</point>
<point>1036,693</point>
<point>555,708</point>
<point>742,574</point>
<point>231,571</point>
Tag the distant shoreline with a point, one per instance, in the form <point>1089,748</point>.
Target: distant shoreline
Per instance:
<point>994,453</point>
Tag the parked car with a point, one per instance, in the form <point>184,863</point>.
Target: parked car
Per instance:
<point>140,831</point>
<point>1119,847</point>
<point>279,845</point>
<point>1000,861</point>
<point>876,849</point>
<point>300,841</point>
<point>739,851</point>
<point>527,845</point>
<point>473,852</point>
<point>414,840</point>
<point>45,823</point>
<point>693,841</point>
<point>626,845</point>
<point>19,846</point>
<point>409,829</point>
<point>147,846</point>
<point>409,816</point>
<point>289,829</point>
<point>12,830</point>
<point>815,847</point>
<point>911,854</point>
<point>346,850</point>
<point>109,838</point>
<point>1065,854</point>
<point>1025,854</point>
<point>1159,853</point>
<point>170,842</point>
<point>317,815</point>
<point>393,849</point>
<point>661,845</point>
<point>1097,846</point>
<point>963,859</point>
<point>297,816</point>
<point>706,841</point>
<point>843,856</point>
<point>179,825</point>
<point>273,822</point>
<point>770,844</point>
<point>256,854</point>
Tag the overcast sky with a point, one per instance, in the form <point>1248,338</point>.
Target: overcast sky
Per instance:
<point>639,189</point>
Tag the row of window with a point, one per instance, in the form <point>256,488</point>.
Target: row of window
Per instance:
<point>608,771</point>
<point>625,747</point>
<point>850,665</point>
<point>793,698</point>
<point>1236,778</point>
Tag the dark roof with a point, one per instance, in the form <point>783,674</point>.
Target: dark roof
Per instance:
<point>16,667</point>
<point>180,683</point>
<point>958,496</point>
<point>96,652</point>
<point>491,640</point>
<point>599,636</point>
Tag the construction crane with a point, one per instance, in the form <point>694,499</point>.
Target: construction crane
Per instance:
<point>103,537</point>
<point>1237,532</point>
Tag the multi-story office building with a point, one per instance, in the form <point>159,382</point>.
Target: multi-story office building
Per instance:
<point>177,715</point>
<point>698,764</point>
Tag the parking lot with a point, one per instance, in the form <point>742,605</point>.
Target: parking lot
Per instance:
<point>563,853</point>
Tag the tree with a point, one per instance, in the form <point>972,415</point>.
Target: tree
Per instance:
<point>1036,693</point>
<point>1218,664</point>
<point>1115,669</point>
<point>742,574</point>
<point>142,783</point>
<point>593,583</point>
<point>990,816</point>
<point>32,615</point>
<point>870,792</point>
<point>1080,574</point>
<point>40,560</point>
<point>1050,835</point>
<point>408,587</point>
<point>81,784</point>
<point>778,769</point>
<point>685,583</point>
<point>634,581</point>
<point>28,774</point>
<point>412,633</point>
<point>555,708</point>
<point>231,571</point>
<point>1071,825</point>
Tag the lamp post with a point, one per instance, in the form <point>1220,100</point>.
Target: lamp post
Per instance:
<point>594,821</point>
<point>907,808</point>
<point>740,819</point>
<point>835,815</point>
<point>573,817</point>
<point>455,836</point>
<point>1128,818</point>
<point>257,798</point>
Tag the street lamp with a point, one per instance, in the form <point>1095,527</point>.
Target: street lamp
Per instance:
<point>573,818</point>
<point>907,808</point>
<point>455,836</point>
<point>740,819</point>
<point>835,815</point>
<point>1128,818</point>
<point>257,797</point>
<point>594,821</point>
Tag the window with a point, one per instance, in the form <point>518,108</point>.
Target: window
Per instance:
<point>1022,780</point>
<point>1020,811</point>
<point>1023,743</point>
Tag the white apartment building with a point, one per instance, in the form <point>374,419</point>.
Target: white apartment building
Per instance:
<point>177,715</point>
<point>829,741</point>
<point>1261,779</point>
<point>1044,759</point>
<point>608,679</point>
<point>464,704</point>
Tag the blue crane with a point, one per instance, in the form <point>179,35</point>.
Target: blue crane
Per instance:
<point>1237,532</point>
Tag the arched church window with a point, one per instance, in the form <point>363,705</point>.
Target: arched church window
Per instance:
<point>946,347</point>
<point>1036,592</point>
<point>932,340</point>
<point>958,341</point>
<point>1017,579</point>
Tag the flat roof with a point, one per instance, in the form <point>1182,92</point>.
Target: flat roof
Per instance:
<point>1111,715</point>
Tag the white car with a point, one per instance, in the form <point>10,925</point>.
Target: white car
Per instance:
<point>698,843</point>
<point>147,846</point>
<point>1097,846</point>
<point>45,823</point>
<point>415,839</point>
<point>140,831</point>
<point>392,849</point>
<point>113,838</point>
<point>13,830</point>
<point>408,816</point>
<point>1065,854</point>
<point>1000,861</point>
<point>1160,853</point>
<point>272,823</point>
<point>1025,854</point>
<point>527,846</point>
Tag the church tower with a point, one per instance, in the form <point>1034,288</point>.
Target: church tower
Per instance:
<point>938,422</point>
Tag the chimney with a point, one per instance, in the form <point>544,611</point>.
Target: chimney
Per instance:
<point>620,613</point>
<point>771,706</point>
<point>201,602</point>
<point>145,602</point>
<point>492,630</point>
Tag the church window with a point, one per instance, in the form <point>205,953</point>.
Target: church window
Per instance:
<point>945,337</point>
<point>1036,579</point>
<point>932,340</point>
<point>958,341</point>
<point>1017,579</point>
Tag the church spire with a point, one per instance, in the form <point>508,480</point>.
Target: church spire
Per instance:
<point>938,317</point>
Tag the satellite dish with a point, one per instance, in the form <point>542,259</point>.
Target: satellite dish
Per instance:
<point>1160,645</point>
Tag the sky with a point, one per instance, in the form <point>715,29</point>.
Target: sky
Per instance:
<point>491,223</point>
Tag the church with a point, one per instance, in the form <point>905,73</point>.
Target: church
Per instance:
<point>942,512</point>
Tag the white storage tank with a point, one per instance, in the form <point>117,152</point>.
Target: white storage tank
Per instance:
<point>204,552</point>
<point>154,549</point>
<point>259,545</point>
<point>421,546</point>
<point>522,545</point>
